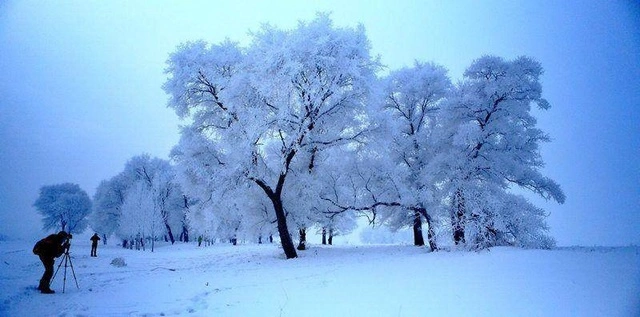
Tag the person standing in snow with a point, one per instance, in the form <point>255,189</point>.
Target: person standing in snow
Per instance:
<point>94,244</point>
<point>48,249</point>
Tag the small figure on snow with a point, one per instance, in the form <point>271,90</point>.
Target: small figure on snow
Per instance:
<point>199,240</point>
<point>48,249</point>
<point>94,244</point>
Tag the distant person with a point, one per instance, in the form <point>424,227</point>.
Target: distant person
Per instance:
<point>94,244</point>
<point>48,249</point>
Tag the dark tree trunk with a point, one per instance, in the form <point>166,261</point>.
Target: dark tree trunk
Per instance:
<point>184,236</point>
<point>166,224</point>
<point>418,239</point>
<point>260,239</point>
<point>330,236</point>
<point>324,236</point>
<point>185,230</point>
<point>234,239</point>
<point>457,218</point>
<point>303,239</point>
<point>281,218</point>
<point>270,238</point>
<point>285,238</point>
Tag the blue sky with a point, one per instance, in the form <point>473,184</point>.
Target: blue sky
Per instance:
<point>80,88</point>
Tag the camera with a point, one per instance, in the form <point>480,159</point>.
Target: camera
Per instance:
<point>67,244</point>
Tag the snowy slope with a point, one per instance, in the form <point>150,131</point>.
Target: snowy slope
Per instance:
<point>256,280</point>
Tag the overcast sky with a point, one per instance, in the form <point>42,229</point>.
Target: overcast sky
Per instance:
<point>80,88</point>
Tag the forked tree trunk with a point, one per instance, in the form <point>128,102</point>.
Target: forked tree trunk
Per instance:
<point>281,218</point>
<point>184,235</point>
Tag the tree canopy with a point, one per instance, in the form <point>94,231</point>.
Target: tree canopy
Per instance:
<point>263,115</point>
<point>64,207</point>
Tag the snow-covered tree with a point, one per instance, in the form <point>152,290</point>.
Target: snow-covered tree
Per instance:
<point>107,203</point>
<point>412,97</point>
<point>64,206</point>
<point>166,195</point>
<point>158,175</point>
<point>141,218</point>
<point>389,180</point>
<point>259,116</point>
<point>489,143</point>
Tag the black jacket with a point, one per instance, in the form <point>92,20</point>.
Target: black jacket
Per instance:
<point>51,246</point>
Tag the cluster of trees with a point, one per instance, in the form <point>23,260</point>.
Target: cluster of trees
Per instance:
<point>300,131</point>
<point>141,204</point>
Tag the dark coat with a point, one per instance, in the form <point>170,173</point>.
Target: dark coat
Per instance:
<point>94,239</point>
<point>50,247</point>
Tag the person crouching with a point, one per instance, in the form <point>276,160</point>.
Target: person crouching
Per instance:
<point>48,249</point>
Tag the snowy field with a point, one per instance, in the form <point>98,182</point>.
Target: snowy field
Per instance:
<point>256,280</point>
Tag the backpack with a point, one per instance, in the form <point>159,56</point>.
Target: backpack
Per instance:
<point>37,248</point>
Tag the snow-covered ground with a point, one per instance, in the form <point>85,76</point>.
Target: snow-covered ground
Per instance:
<point>256,280</point>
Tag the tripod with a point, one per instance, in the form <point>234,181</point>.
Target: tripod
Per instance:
<point>67,262</point>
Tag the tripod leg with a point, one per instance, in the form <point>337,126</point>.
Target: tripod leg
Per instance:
<point>56,273</point>
<point>64,281</point>
<point>74,272</point>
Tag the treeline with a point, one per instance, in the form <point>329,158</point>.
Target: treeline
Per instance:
<point>300,130</point>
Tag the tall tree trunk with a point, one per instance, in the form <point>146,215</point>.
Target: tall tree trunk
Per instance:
<point>457,217</point>
<point>303,239</point>
<point>330,236</point>
<point>285,238</point>
<point>418,239</point>
<point>324,236</point>
<point>185,228</point>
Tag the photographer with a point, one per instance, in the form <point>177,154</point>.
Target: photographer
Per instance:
<point>48,249</point>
